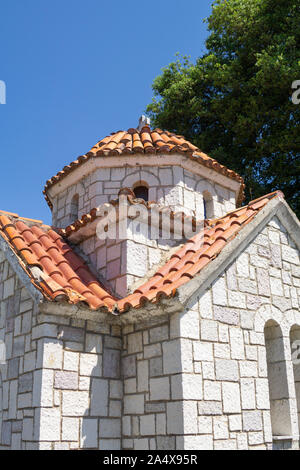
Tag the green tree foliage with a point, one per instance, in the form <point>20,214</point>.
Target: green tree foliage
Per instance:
<point>235,102</point>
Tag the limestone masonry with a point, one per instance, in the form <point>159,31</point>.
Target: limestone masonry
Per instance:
<point>145,344</point>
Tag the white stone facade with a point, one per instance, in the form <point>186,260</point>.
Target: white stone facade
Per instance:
<point>121,263</point>
<point>176,187</point>
<point>61,385</point>
<point>199,380</point>
<point>214,376</point>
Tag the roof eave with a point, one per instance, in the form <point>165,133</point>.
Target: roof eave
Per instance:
<point>20,271</point>
<point>236,184</point>
<point>149,311</point>
<point>195,287</point>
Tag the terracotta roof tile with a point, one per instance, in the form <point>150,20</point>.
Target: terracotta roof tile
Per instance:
<point>64,273</point>
<point>195,255</point>
<point>66,277</point>
<point>145,141</point>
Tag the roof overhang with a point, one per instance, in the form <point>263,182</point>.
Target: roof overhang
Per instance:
<point>191,164</point>
<point>20,270</point>
<point>147,313</point>
<point>188,293</point>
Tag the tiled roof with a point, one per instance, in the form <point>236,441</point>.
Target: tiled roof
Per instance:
<point>66,277</point>
<point>195,255</point>
<point>145,141</point>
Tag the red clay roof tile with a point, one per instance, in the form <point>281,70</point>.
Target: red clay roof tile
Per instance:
<point>149,142</point>
<point>186,262</point>
<point>64,272</point>
<point>66,277</point>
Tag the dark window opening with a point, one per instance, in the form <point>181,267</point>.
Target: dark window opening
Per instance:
<point>208,205</point>
<point>74,208</point>
<point>295,344</point>
<point>205,208</point>
<point>278,382</point>
<point>141,192</point>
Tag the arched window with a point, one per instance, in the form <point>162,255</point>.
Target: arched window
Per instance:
<point>295,350</point>
<point>141,192</point>
<point>278,384</point>
<point>208,205</point>
<point>74,208</point>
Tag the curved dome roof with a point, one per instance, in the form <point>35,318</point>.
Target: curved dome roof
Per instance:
<point>149,142</point>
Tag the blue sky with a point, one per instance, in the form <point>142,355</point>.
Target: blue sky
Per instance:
<point>76,71</point>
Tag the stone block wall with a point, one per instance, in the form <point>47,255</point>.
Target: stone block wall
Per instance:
<point>199,380</point>
<point>172,186</point>
<point>162,385</point>
<point>262,285</point>
<point>123,262</point>
<point>60,387</point>
<point>80,399</point>
<point>18,336</point>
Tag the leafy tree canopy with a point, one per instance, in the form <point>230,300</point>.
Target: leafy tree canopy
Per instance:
<point>235,101</point>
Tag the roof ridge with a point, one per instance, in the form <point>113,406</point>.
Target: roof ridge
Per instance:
<point>113,145</point>
<point>74,282</point>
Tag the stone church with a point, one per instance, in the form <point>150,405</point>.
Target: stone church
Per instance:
<point>153,343</point>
